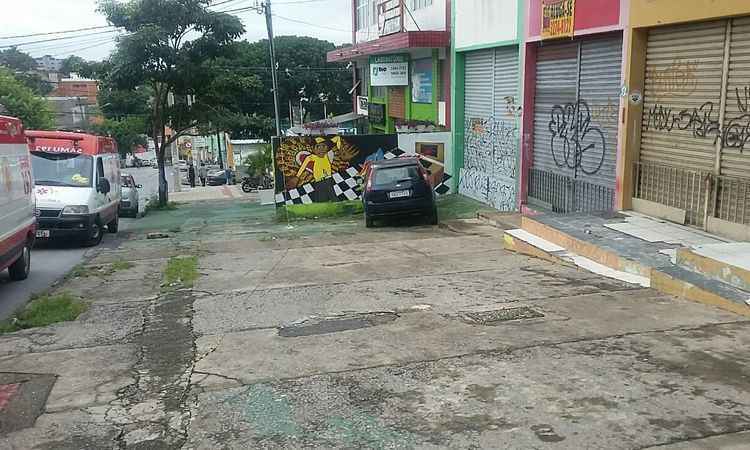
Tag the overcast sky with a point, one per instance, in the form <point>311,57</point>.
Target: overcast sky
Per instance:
<point>329,19</point>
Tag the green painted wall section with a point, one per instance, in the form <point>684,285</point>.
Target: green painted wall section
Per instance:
<point>413,111</point>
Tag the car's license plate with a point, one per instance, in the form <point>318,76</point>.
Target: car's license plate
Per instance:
<point>399,194</point>
<point>42,233</point>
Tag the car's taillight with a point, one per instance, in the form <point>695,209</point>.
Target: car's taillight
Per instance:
<point>369,184</point>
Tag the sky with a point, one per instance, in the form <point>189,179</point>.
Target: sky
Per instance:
<point>324,19</point>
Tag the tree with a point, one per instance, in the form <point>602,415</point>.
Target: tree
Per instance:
<point>72,64</point>
<point>17,60</point>
<point>171,46</point>
<point>21,102</point>
<point>259,163</point>
<point>303,73</point>
<point>129,132</point>
<point>23,66</point>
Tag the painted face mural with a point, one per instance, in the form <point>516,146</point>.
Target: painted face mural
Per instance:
<point>326,168</point>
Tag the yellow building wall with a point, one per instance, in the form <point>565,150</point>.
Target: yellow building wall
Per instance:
<point>649,13</point>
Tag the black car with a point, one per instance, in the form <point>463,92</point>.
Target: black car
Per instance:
<point>398,187</point>
<point>218,177</point>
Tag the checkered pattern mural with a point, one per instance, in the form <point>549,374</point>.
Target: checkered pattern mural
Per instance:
<point>346,186</point>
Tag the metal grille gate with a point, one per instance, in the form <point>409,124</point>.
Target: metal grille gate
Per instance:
<point>576,111</point>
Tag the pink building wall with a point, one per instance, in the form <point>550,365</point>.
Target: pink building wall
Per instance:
<point>591,17</point>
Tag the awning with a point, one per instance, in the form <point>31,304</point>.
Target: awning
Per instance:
<point>392,44</point>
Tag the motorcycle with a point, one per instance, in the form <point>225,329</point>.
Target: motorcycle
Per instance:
<point>251,184</point>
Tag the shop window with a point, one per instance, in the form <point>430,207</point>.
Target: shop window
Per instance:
<point>421,80</point>
<point>379,91</point>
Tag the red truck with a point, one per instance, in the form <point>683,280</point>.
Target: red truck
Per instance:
<point>17,201</point>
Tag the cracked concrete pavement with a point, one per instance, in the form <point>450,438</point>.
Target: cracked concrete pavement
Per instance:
<point>328,335</point>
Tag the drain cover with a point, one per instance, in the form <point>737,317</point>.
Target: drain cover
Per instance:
<point>337,324</point>
<point>497,316</point>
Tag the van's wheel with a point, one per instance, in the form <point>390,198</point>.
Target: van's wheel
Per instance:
<point>114,225</point>
<point>95,237</point>
<point>20,269</point>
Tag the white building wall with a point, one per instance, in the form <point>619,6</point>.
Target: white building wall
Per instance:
<point>482,22</point>
<point>428,18</point>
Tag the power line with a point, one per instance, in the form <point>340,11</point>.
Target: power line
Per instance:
<point>20,44</point>
<point>50,33</point>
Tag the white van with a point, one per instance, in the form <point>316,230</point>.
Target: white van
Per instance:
<point>77,179</point>
<point>17,220</point>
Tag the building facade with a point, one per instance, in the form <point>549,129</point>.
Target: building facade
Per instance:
<point>571,108</point>
<point>78,87</point>
<point>687,119</point>
<point>487,55</point>
<point>401,60</point>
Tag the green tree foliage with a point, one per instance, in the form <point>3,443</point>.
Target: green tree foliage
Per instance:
<point>260,163</point>
<point>21,102</point>
<point>17,60</point>
<point>302,67</point>
<point>172,47</point>
<point>23,66</point>
<point>73,64</point>
<point>128,131</point>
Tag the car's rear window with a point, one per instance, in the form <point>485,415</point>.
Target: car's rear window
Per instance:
<point>390,175</point>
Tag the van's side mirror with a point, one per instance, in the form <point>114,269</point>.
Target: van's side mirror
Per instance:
<point>103,186</point>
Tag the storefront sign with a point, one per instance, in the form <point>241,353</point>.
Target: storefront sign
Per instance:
<point>389,70</point>
<point>421,81</point>
<point>362,105</point>
<point>377,113</point>
<point>558,18</point>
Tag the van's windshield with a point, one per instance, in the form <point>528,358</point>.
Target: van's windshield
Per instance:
<point>62,169</point>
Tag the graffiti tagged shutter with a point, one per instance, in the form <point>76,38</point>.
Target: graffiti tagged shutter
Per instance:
<point>491,127</point>
<point>683,75</point>
<point>735,152</point>
<point>576,110</point>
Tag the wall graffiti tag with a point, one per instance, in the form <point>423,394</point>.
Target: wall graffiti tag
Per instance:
<point>676,80</point>
<point>703,122</point>
<point>576,143</point>
<point>490,159</point>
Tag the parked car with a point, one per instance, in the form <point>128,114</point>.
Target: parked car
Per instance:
<point>17,219</point>
<point>77,177</point>
<point>398,186</point>
<point>130,198</point>
<point>182,165</point>
<point>217,177</point>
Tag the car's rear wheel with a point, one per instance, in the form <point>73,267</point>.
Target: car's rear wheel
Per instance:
<point>20,269</point>
<point>113,226</point>
<point>369,221</point>
<point>433,218</point>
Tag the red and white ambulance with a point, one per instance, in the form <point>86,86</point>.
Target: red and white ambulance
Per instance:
<point>77,177</point>
<point>17,220</point>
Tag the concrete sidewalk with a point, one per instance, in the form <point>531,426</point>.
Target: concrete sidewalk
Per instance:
<point>325,334</point>
<point>206,193</point>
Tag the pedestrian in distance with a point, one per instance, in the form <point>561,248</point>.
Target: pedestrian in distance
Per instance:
<point>203,173</point>
<point>191,174</point>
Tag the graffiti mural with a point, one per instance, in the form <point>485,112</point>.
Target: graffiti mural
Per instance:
<point>311,169</point>
<point>677,80</point>
<point>490,160</point>
<point>574,136</point>
<point>703,122</point>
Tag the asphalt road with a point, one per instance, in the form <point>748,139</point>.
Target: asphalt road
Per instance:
<point>50,262</point>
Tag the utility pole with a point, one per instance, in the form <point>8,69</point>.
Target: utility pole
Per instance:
<point>266,8</point>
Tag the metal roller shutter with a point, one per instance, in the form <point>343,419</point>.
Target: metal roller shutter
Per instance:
<point>601,62</point>
<point>490,132</point>
<point>556,86</point>
<point>735,153</point>
<point>682,95</point>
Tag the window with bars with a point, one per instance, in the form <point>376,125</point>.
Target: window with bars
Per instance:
<point>419,4</point>
<point>363,13</point>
